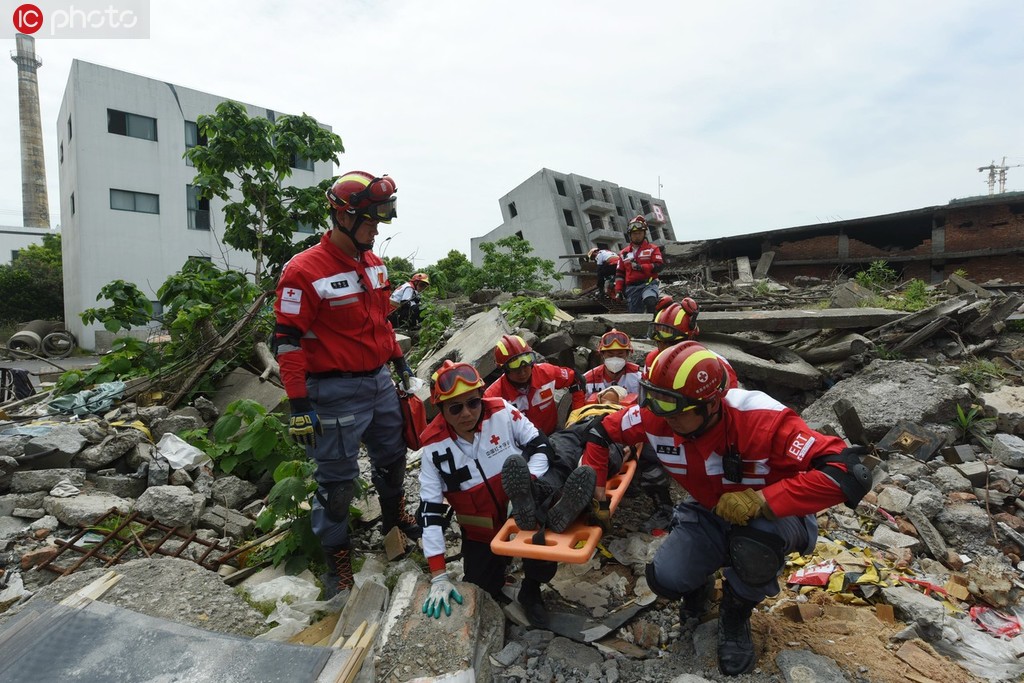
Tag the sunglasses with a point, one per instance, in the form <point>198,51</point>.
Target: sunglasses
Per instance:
<point>448,381</point>
<point>662,402</point>
<point>525,360</point>
<point>456,408</point>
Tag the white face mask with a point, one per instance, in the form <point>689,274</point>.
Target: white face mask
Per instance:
<point>614,364</point>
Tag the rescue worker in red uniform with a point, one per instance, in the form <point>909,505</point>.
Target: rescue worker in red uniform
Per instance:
<point>674,323</point>
<point>637,272</point>
<point>479,454</point>
<point>758,475</point>
<point>607,263</point>
<point>333,343</point>
<point>529,385</point>
<point>615,369</point>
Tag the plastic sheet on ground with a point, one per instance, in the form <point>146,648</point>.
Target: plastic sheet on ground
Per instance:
<point>298,590</point>
<point>97,400</point>
<point>179,453</point>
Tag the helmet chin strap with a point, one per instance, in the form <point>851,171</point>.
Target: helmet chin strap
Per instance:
<point>351,234</point>
<point>705,425</point>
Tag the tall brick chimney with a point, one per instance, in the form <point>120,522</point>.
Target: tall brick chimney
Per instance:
<point>35,205</point>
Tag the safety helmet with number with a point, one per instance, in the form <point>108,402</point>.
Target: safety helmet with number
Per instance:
<point>683,377</point>
<point>615,340</point>
<point>638,223</point>
<point>420,277</point>
<point>511,348</point>
<point>675,322</point>
<point>363,194</point>
<point>452,380</point>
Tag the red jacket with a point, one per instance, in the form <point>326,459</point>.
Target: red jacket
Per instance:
<point>538,400</point>
<point>776,446</point>
<point>339,307</point>
<point>649,258</point>
<point>597,380</point>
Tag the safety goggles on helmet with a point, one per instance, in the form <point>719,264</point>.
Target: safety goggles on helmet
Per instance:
<point>382,212</point>
<point>455,380</point>
<point>664,402</point>
<point>523,360</point>
<point>614,341</point>
<point>456,408</point>
<point>660,332</point>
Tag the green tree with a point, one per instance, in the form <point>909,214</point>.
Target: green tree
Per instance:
<point>245,162</point>
<point>400,269</point>
<point>32,286</point>
<point>449,274</point>
<point>509,267</point>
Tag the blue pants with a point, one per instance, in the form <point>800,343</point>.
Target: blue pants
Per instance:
<point>635,295</point>
<point>352,411</point>
<point>698,545</point>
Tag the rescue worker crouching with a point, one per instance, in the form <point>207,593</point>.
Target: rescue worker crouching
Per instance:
<point>758,475</point>
<point>607,263</point>
<point>479,454</point>
<point>405,301</point>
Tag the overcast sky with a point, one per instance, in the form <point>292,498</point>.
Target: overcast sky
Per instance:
<point>755,115</point>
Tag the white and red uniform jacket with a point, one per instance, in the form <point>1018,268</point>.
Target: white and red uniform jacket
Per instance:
<point>538,399</point>
<point>606,256</point>
<point>468,475</point>
<point>597,379</point>
<point>649,258</point>
<point>732,383</point>
<point>776,446</point>
<point>340,308</point>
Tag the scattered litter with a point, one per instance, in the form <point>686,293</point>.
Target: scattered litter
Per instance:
<point>180,454</point>
<point>814,575</point>
<point>995,622</point>
<point>64,489</point>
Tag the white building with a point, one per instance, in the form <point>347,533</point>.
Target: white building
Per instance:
<point>127,208</point>
<point>14,238</point>
<point>562,214</point>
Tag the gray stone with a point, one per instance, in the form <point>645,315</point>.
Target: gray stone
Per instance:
<point>242,383</point>
<point>886,392</point>
<point>170,505</point>
<point>976,471</point>
<point>691,678</point>
<point>914,607</point>
<point>203,483</point>
<point>11,501</point>
<point>1009,450</point>
<point>1006,404</point>
<point>803,666</point>
<point>153,414</point>
<point>121,485</point>
<point>894,499</point>
<point>43,480</point>
<point>13,446</point>
<point>483,296</point>
<point>177,422</point>
<point>554,344</point>
<point>142,453</point>
<point>899,464</point>
<point>64,438</point>
<point>49,522</point>
<point>510,654</point>
<point>929,535</point>
<point>83,510</point>
<point>181,478</point>
<point>232,492</point>
<point>207,410</point>
<point>929,503</point>
<point>572,655</point>
<point>94,431</point>
<point>949,480</point>
<point>893,539</point>
<point>226,522</point>
<point>159,472</point>
<point>961,522</point>
<point>12,527</point>
<point>473,344</point>
<point>28,513</point>
<point>112,448</point>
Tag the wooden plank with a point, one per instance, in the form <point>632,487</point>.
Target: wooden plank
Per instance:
<point>912,654</point>
<point>917,320</point>
<point>763,264</point>
<point>923,334</point>
<point>315,633</point>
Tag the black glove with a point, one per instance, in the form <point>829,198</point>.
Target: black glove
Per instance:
<point>304,425</point>
<point>403,371</point>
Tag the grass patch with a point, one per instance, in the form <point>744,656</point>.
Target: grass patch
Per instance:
<point>979,371</point>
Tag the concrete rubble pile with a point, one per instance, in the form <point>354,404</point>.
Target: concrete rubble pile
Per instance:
<point>933,559</point>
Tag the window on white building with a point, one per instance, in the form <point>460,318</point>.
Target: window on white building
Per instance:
<point>560,187</point>
<point>132,125</point>
<point>569,220</point>
<point>72,203</point>
<point>512,209</point>
<point>142,202</point>
<point>193,139</point>
<point>300,162</point>
<point>198,209</point>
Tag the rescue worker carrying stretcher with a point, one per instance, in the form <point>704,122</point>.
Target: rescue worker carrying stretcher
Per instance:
<point>758,475</point>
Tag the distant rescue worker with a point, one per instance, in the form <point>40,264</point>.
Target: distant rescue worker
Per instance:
<point>758,475</point>
<point>530,385</point>
<point>479,454</point>
<point>607,262</point>
<point>333,343</point>
<point>637,272</point>
<point>615,368</point>
<point>405,301</point>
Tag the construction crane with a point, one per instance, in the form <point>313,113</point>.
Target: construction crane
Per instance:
<point>1000,170</point>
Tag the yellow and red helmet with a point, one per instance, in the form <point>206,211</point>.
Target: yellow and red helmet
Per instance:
<point>453,379</point>
<point>615,340</point>
<point>638,223</point>
<point>511,347</point>
<point>675,322</point>
<point>420,277</point>
<point>683,377</point>
<point>364,194</point>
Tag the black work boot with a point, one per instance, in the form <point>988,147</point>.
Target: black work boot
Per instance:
<point>393,513</point>
<point>735,644</point>
<point>694,604</point>
<point>518,485</point>
<point>533,604</point>
<point>338,576</point>
<point>577,492</point>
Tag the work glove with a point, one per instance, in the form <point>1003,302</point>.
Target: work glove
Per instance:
<point>601,514</point>
<point>617,296</point>
<point>739,507</point>
<point>304,425</point>
<point>441,593</point>
<point>403,371</point>
<point>637,266</point>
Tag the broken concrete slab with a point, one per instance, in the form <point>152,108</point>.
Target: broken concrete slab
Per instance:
<point>850,294</point>
<point>81,510</point>
<point>232,492</point>
<point>893,539</point>
<point>110,449</point>
<point>473,344</point>
<point>227,522</point>
<point>241,383</point>
<point>759,362</point>
<point>1009,450</point>
<point>911,439</point>
<point>120,485</point>
<point>928,534</point>
<point>63,440</point>
<point>804,666</point>
<point>43,480</point>
<point>1006,405</point>
<point>170,505</point>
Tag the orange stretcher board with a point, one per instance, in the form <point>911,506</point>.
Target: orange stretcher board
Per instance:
<point>576,544</point>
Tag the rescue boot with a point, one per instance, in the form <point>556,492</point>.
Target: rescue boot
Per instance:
<point>393,513</point>
<point>518,485</point>
<point>533,604</point>
<point>694,604</point>
<point>735,644</point>
<point>576,495</point>
<point>338,576</point>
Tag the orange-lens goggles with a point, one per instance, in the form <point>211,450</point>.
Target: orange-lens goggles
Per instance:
<point>524,360</point>
<point>449,380</point>
<point>663,402</point>
<point>612,338</point>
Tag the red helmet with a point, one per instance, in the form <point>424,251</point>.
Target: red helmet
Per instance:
<point>420,277</point>
<point>510,346</point>
<point>453,379</point>
<point>675,322</point>
<point>364,194</point>
<point>683,377</point>
<point>614,340</point>
<point>638,223</point>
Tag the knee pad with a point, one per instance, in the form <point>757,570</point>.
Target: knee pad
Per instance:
<point>650,303</point>
<point>658,589</point>
<point>337,499</point>
<point>757,556</point>
<point>389,479</point>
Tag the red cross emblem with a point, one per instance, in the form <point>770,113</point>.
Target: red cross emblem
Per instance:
<point>495,439</point>
<point>290,292</point>
<point>516,415</point>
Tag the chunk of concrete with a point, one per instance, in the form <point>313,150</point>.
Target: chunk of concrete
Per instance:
<point>1009,450</point>
<point>82,510</point>
<point>893,539</point>
<point>44,480</point>
<point>916,608</point>
<point>64,439</point>
<point>110,449</point>
<point>226,522</point>
<point>240,383</point>
<point>179,421</point>
<point>804,666</point>
<point>121,485</point>
<point>893,499</point>
<point>170,505</point>
<point>231,492</point>
<point>1006,404</point>
<point>473,344</point>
